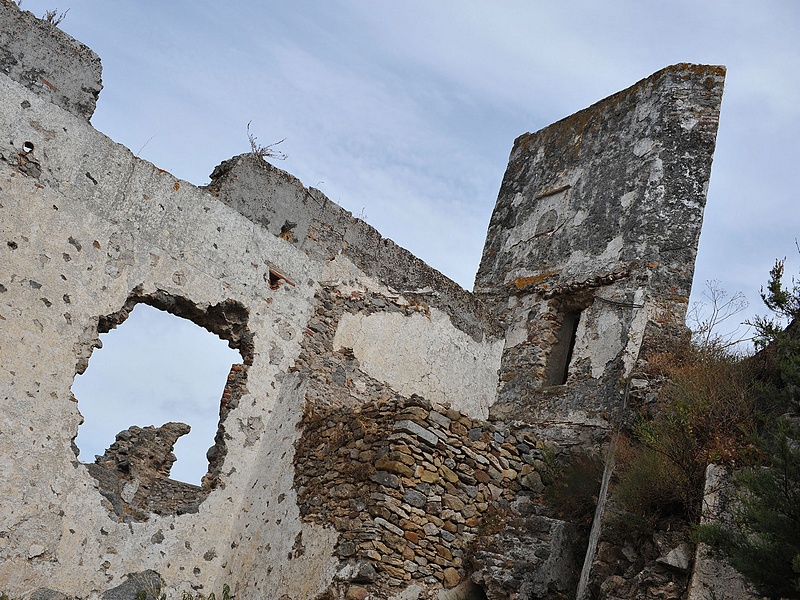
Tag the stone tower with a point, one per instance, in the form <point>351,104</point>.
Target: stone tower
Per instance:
<point>591,247</point>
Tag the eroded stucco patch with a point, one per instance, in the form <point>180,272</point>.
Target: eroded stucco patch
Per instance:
<point>424,355</point>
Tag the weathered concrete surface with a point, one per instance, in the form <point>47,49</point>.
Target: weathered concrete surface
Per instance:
<point>590,250</point>
<point>48,61</point>
<point>75,250</point>
<point>597,221</point>
<point>89,230</point>
<point>415,355</point>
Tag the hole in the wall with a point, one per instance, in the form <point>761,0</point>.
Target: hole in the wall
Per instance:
<point>557,370</point>
<point>276,279</point>
<point>27,147</point>
<point>467,590</point>
<point>155,368</point>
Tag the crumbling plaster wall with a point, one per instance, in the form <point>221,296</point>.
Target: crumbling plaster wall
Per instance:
<point>73,254</point>
<point>62,70</point>
<point>415,357</point>
<point>599,213</point>
<point>85,225</point>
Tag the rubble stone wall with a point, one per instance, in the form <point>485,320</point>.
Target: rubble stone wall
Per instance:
<point>415,490</point>
<point>386,429</point>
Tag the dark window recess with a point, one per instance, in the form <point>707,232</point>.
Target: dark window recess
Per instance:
<point>561,353</point>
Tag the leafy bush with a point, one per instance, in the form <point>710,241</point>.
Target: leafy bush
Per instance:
<point>574,489</point>
<point>647,486</point>
<point>706,413</point>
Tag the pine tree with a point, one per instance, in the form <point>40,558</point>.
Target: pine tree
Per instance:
<point>764,545</point>
<point>763,542</point>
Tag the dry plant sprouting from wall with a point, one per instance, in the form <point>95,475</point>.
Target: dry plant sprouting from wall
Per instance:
<point>53,16</point>
<point>264,152</point>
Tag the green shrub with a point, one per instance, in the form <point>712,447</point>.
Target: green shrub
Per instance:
<point>707,412</point>
<point>647,486</point>
<point>763,542</point>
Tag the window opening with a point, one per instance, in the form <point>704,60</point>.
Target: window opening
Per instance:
<point>155,368</point>
<point>557,369</point>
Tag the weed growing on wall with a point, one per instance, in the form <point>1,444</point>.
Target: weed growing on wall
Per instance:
<point>54,17</point>
<point>264,152</point>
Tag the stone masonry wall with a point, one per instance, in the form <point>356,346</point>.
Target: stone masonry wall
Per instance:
<point>417,493</point>
<point>418,496</point>
<point>597,221</point>
<point>365,445</point>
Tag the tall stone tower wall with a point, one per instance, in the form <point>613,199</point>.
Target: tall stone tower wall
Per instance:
<point>592,243</point>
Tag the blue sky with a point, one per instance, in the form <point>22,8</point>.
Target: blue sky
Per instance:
<point>405,112</point>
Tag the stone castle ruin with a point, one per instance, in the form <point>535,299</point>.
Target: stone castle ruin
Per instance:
<point>387,431</point>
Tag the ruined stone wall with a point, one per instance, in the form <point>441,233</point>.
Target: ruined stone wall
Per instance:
<point>364,441</point>
<point>52,64</point>
<point>88,231</point>
<point>426,497</point>
<point>417,491</point>
<point>305,218</point>
<point>593,237</point>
